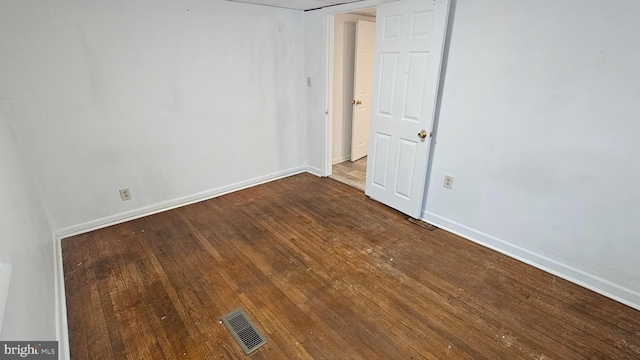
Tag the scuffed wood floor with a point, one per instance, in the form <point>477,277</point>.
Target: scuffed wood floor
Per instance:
<point>326,273</point>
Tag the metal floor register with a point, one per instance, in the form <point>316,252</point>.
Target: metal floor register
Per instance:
<point>244,331</point>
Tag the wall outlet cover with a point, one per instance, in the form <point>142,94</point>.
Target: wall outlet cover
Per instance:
<point>448,182</point>
<point>125,194</point>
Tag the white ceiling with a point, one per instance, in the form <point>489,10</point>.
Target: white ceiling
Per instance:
<point>297,4</point>
<point>365,12</point>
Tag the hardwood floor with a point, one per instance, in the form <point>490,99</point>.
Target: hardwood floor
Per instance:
<point>351,173</point>
<point>325,273</point>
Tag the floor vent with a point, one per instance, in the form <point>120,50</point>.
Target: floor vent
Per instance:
<point>244,331</point>
<point>422,224</point>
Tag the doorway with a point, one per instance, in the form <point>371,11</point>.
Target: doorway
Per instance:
<point>353,37</point>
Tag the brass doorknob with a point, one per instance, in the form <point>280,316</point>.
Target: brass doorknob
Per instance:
<point>356,102</point>
<point>422,134</point>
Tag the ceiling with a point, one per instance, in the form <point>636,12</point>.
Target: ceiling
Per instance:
<point>365,12</point>
<point>297,4</point>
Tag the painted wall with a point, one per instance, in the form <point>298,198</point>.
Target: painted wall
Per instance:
<point>26,242</point>
<point>344,42</point>
<point>539,126</point>
<point>166,98</point>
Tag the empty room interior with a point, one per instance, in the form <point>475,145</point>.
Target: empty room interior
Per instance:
<point>166,163</point>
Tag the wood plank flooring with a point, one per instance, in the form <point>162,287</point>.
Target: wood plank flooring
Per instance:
<point>325,273</point>
<point>351,173</point>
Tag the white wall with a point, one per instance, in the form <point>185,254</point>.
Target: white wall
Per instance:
<point>172,99</point>
<point>26,242</point>
<point>539,125</point>
<point>344,42</point>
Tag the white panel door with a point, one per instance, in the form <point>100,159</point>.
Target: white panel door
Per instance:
<point>407,59</point>
<point>362,83</point>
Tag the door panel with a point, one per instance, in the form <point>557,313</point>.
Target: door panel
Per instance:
<point>380,169</point>
<point>388,81</point>
<point>416,81</point>
<point>392,26</point>
<point>422,24</point>
<point>405,169</point>
<point>407,60</point>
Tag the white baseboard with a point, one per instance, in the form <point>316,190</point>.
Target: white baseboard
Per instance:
<point>172,204</point>
<point>602,286</point>
<point>62,327</point>
<point>314,170</point>
<point>340,159</point>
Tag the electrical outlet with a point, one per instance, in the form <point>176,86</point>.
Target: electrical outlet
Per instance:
<point>125,194</point>
<point>448,182</point>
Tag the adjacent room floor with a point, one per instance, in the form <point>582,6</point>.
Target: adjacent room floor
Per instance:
<point>351,172</point>
<point>325,273</point>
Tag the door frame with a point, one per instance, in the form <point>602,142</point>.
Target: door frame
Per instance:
<point>336,88</point>
<point>329,14</point>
